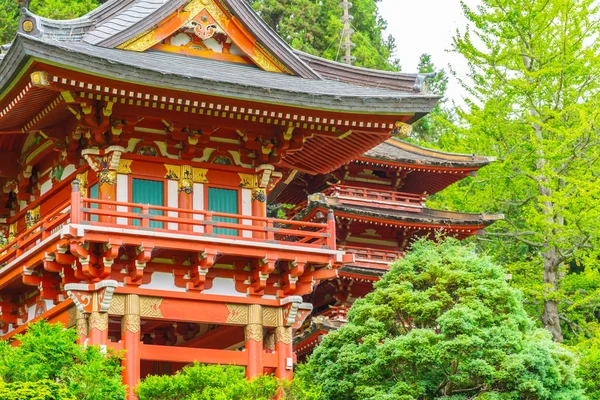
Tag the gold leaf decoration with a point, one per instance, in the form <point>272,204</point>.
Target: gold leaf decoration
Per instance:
<point>117,305</point>
<point>199,175</point>
<point>150,307</point>
<point>248,181</point>
<point>124,166</point>
<point>238,314</point>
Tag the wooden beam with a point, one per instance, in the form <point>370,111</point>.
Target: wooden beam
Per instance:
<point>221,337</point>
<point>187,355</point>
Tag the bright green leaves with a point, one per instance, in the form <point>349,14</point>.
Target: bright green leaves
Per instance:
<point>38,390</point>
<point>534,96</point>
<point>443,322</point>
<point>215,382</point>
<point>48,353</point>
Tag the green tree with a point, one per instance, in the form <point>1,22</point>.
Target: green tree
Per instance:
<point>55,9</point>
<point>534,105</point>
<point>443,323</point>
<point>429,128</point>
<point>215,382</point>
<point>315,27</point>
<point>48,352</point>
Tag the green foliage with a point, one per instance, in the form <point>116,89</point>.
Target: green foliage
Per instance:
<point>315,27</point>
<point>9,16</point>
<point>54,9</point>
<point>49,353</point>
<point>216,382</point>
<point>39,390</point>
<point>443,323</point>
<point>589,367</point>
<point>534,105</point>
<point>429,128</point>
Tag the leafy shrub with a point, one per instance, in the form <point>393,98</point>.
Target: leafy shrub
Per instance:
<point>443,323</point>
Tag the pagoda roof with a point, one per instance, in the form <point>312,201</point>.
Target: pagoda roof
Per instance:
<point>425,216</point>
<point>208,76</point>
<point>90,43</point>
<point>402,152</point>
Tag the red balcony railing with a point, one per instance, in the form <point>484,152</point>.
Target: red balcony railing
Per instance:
<point>144,217</point>
<point>378,258</point>
<point>375,196</point>
<point>40,231</point>
<point>200,222</point>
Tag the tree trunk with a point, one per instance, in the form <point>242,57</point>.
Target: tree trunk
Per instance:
<point>550,317</point>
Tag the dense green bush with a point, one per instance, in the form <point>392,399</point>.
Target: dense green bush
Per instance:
<point>443,323</point>
<point>215,382</point>
<point>49,361</point>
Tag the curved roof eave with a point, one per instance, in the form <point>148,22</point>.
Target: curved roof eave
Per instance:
<point>399,151</point>
<point>209,77</point>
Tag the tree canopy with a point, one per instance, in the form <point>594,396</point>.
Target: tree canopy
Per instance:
<point>443,323</point>
<point>315,27</point>
<point>533,103</point>
<point>49,362</point>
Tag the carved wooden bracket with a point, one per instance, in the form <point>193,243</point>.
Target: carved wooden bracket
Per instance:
<point>137,263</point>
<point>205,261</point>
<point>295,311</point>
<point>92,297</point>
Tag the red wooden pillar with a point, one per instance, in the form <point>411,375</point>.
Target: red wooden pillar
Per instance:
<point>186,190</point>
<point>259,209</point>
<point>107,190</point>
<point>285,352</point>
<point>130,334</point>
<point>254,342</point>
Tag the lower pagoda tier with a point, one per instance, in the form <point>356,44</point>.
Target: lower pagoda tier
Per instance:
<point>376,227</point>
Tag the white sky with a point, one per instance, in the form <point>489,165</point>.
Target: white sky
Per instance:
<point>427,26</point>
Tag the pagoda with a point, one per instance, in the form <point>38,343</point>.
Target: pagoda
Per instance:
<point>141,145</point>
<point>379,205</point>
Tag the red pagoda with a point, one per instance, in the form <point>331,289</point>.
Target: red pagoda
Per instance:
<point>141,144</point>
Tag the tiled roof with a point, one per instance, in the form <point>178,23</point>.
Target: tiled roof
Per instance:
<point>203,75</point>
<point>402,152</point>
<point>426,216</point>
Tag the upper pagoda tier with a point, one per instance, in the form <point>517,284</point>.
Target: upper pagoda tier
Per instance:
<point>197,72</point>
<point>393,165</point>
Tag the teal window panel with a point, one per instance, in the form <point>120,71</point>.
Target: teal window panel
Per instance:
<point>225,201</point>
<point>145,191</point>
<point>93,193</point>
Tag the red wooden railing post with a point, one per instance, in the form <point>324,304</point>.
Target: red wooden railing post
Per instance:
<point>75,203</point>
<point>208,228</point>
<point>270,231</point>
<point>20,250</point>
<point>331,230</point>
<point>145,216</point>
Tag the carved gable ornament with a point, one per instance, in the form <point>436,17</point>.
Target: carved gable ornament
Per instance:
<point>204,28</point>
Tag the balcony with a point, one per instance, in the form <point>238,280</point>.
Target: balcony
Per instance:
<point>377,198</point>
<point>90,235</point>
<point>372,258</point>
